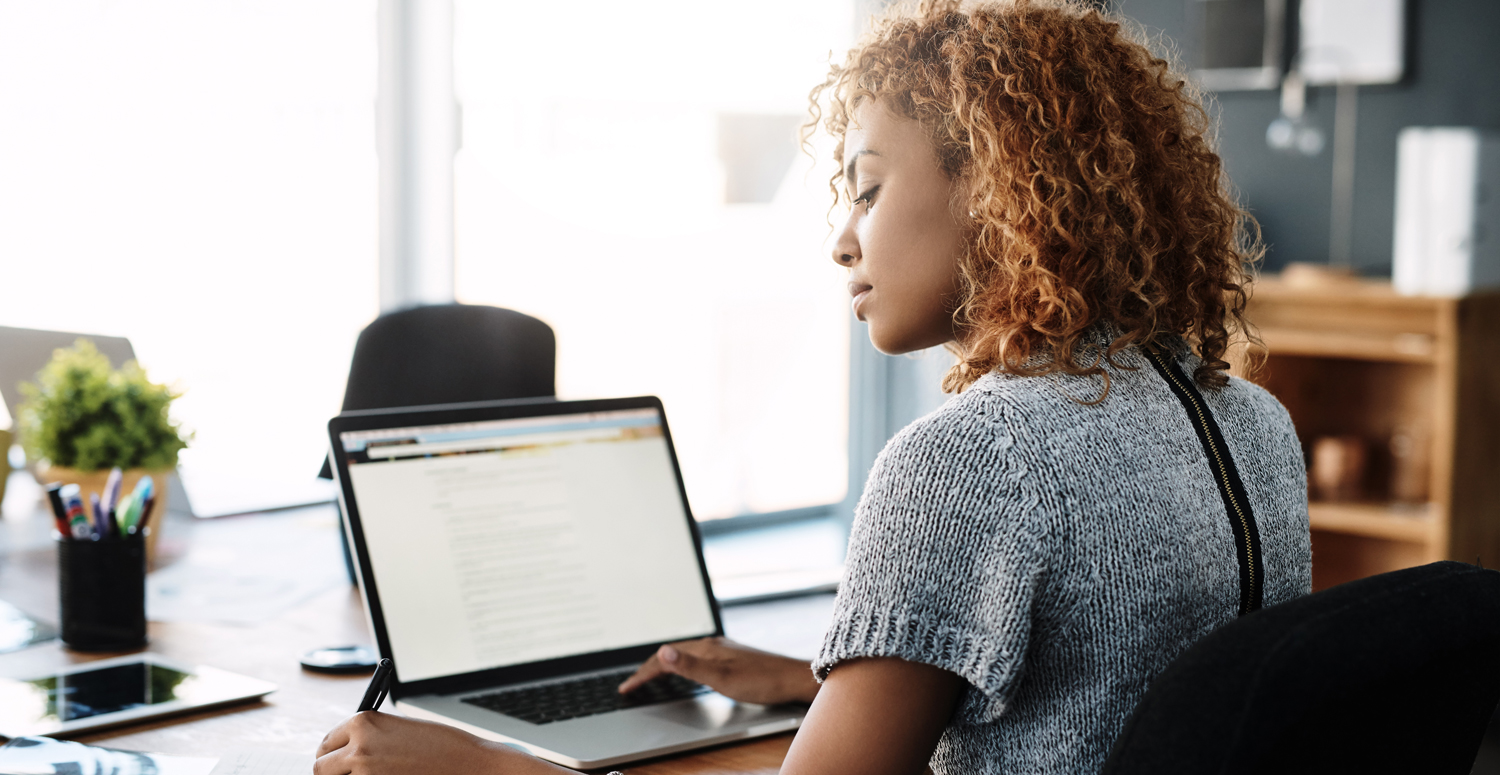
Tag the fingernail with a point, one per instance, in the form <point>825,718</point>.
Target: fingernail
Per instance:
<point>667,654</point>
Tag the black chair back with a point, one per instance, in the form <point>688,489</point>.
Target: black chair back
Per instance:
<point>448,354</point>
<point>451,353</point>
<point>1395,673</point>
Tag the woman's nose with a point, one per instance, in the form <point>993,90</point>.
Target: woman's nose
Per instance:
<point>846,247</point>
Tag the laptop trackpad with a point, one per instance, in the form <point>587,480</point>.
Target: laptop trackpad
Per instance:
<point>709,711</point>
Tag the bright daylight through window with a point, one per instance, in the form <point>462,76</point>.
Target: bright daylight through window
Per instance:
<point>199,177</point>
<point>629,174</point>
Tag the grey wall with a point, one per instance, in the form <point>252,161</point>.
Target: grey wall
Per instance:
<point>1453,79</point>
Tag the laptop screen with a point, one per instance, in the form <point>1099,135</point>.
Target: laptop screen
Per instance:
<point>505,542</point>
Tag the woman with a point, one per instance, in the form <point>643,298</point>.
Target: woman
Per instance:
<point>1032,187</point>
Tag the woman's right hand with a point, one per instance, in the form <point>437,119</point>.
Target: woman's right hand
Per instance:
<point>372,743</point>
<point>732,669</point>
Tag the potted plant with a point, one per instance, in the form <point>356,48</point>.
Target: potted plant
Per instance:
<point>81,418</point>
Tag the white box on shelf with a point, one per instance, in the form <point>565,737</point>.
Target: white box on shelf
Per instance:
<point>1447,211</point>
<point>1352,41</point>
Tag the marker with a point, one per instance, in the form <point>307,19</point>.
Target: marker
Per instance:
<point>115,518</point>
<point>78,520</point>
<point>130,509</point>
<point>59,510</point>
<point>140,497</point>
<point>112,491</point>
<point>96,507</point>
<point>145,517</point>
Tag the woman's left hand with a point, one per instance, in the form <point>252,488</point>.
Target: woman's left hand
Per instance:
<point>373,743</point>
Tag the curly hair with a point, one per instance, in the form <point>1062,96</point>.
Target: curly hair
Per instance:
<point>1093,190</point>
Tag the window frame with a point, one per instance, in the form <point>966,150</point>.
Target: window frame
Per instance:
<point>416,88</point>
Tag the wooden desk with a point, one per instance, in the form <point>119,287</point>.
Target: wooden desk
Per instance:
<point>305,705</point>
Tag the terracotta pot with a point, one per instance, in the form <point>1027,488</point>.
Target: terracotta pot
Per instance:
<point>94,481</point>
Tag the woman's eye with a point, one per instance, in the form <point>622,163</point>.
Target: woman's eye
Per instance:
<point>868,197</point>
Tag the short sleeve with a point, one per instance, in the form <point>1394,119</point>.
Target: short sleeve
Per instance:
<point>946,555</point>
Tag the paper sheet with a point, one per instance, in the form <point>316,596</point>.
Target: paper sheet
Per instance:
<point>263,763</point>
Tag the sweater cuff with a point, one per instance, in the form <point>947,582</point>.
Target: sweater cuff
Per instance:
<point>989,667</point>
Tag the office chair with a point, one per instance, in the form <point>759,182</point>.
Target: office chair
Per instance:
<point>447,354</point>
<point>1394,673</point>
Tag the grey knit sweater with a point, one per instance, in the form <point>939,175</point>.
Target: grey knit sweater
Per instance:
<point>1057,555</point>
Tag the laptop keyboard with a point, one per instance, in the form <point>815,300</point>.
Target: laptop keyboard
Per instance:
<point>584,697</point>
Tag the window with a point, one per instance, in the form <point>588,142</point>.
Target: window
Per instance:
<point>629,174</point>
<point>199,177</point>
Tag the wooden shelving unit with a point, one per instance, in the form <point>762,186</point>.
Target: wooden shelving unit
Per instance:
<point>1374,520</point>
<point>1353,358</point>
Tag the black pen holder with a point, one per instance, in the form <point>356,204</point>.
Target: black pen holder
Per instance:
<point>102,593</point>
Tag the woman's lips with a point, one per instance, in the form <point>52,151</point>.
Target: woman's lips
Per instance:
<point>859,291</point>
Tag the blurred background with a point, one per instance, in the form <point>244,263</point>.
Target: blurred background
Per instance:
<point>203,178</point>
<point>239,188</point>
<point>1439,66</point>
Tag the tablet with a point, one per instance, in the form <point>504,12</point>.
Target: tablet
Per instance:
<point>116,691</point>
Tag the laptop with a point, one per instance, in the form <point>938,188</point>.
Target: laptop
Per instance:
<point>205,488</point>
<point>24,351</point>
<point>519,559</point>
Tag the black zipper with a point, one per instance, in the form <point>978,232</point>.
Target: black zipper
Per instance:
<point>1226,476</point>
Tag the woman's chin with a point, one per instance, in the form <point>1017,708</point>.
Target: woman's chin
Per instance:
<point>898,344</point>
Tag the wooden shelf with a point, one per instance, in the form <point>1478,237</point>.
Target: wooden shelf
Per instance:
<point>1374,520</point>
<point>1378,346</point>
<point>1353,358</point>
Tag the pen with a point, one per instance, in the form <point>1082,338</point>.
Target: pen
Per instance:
<point>375,694</point>
<point>59,509</point>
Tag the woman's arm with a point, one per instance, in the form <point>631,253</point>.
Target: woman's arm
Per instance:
<point>872,716</point>
<point>875,716</point>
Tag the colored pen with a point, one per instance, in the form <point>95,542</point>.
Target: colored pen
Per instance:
<point>59,509</point>
<point>144,490</point>
<point>78,520</point>
<point>129,511</point>
<point>377,690</point>
<point>114,519</point>
<point>96,507</point>
<point>112,489</point>
<point>140,523</point>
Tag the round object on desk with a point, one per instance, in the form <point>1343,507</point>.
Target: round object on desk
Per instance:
<point>341,659</point>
